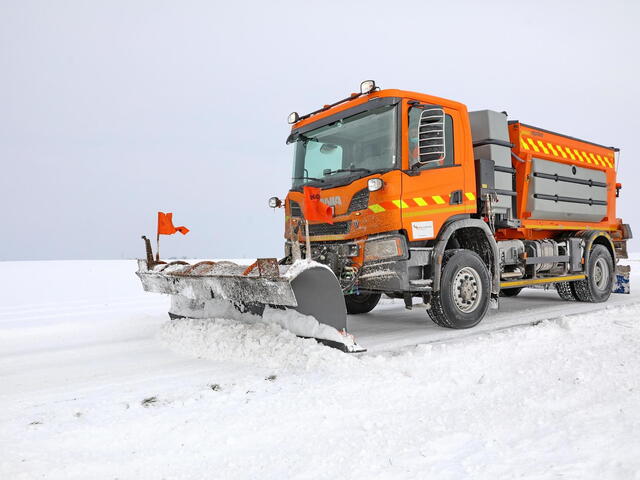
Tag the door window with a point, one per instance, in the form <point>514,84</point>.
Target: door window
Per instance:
<point>415,137</point>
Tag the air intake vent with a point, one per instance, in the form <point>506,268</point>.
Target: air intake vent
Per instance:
<point>338,228</point>
<point>296,211</point>
<point>359,201</point>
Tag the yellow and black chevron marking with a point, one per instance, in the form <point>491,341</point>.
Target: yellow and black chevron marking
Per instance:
<point>562,151</point>
<point>436,201</point>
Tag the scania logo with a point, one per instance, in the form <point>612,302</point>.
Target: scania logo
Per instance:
<point>332,201</point>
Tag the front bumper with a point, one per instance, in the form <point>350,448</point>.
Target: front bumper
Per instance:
<point>412,274</point>
<point>409,271</point>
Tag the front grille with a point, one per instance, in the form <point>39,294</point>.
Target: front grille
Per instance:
<point>296,211</point>
<point>359,201</point>
<point>338,228</point>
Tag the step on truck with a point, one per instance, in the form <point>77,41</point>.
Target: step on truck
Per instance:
<point>430,202</point>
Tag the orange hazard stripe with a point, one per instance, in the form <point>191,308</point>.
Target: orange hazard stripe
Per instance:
<point>416,202</point>
<point>561,151</point>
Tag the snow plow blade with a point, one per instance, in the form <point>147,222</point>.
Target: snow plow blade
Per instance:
<point>264,288</point>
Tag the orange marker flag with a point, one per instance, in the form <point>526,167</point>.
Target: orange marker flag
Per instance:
<point>313,208</point>
<point>165,225</point>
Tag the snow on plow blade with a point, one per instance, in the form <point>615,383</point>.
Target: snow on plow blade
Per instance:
<point>265,288</point>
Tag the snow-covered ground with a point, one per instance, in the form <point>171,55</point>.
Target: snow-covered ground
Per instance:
<point>96,383</point>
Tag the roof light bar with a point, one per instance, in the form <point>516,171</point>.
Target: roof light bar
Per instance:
<point>366,87</point>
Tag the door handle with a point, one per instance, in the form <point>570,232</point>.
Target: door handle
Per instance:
<point>455,198</point>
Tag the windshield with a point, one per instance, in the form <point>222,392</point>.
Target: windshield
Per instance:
<point>354,146</point>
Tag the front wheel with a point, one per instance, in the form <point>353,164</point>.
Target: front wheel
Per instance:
<point>465,288</point>
<point>361,303</point>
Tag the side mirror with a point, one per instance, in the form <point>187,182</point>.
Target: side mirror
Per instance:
<point>431,130</point>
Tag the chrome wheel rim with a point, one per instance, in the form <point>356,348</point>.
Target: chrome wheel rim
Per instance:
<point>466,289</point>
<point>600,274</point>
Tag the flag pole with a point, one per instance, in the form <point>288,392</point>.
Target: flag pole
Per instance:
<point>157,247</point>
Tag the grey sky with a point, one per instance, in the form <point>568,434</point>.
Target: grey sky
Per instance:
<point>113,110</point>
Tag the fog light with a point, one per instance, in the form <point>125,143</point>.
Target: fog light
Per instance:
<point>374,184</point>
<point>275,202</point>
<point>367,86</point>
<point>293,117</point>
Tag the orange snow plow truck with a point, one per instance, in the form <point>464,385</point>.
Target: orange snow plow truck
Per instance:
<point>431,201</point>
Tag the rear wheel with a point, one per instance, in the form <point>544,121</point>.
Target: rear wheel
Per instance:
<point>597,286</point>
<point>510,292</point>
<point>361,303</point>
<point>566,291</point>
<point>465,287</point>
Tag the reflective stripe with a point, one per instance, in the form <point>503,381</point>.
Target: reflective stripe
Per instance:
<point>418,213</point>
<point>607,161</point>
<point>558,150</point>
<point>570,154</point>
<point>439,200</point>
<point>544,149</point>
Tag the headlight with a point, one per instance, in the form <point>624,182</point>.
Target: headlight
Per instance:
<point>293,117</point>
<point>275,202</point>
<point>374,184</point>
<point>367,86</point>
<point>384,248</point>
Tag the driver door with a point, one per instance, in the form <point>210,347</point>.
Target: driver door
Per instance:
<point>433,180</point>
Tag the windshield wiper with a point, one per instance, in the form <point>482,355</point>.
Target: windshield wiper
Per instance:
<point>309,178</point>
<point>341,170</point>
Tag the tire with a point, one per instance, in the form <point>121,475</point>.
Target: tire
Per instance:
<point>463,298</point>
<point>596,288</point>
<point>361,303</point>
<point>566,291</point>
<point>510,292</point>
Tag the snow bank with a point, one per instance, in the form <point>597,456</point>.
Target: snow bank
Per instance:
<point>255,341</point>
<point>87,390</point>
<point>222,332</point>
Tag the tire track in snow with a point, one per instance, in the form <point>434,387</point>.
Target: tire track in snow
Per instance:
<point>501,328</point>
<point>74,304</point>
